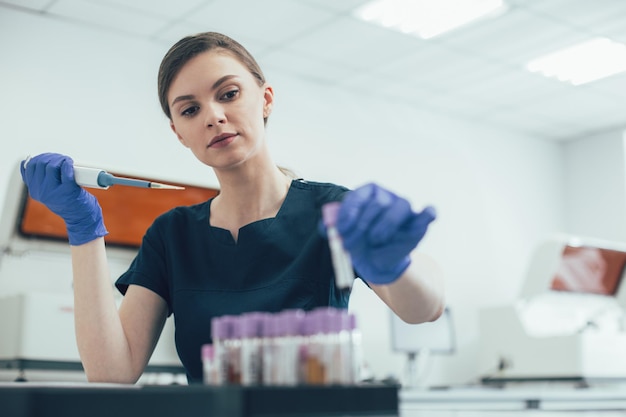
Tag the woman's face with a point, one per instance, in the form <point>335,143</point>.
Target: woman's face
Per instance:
<point>218,108</point>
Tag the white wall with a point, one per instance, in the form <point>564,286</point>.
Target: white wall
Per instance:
<point>92,95</point>
<point>596,183</point>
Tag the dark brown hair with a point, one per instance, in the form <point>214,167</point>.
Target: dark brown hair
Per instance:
<point>191,46</point>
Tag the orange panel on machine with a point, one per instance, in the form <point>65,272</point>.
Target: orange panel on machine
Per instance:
<point>590,270</point>
<point>127,211</point>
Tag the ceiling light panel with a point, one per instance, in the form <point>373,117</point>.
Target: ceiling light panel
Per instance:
<point>427,18</point>
<point>582,63</point>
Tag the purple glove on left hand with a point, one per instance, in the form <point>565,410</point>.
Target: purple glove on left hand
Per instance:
<point>50,180</point>
<point>380,230</point>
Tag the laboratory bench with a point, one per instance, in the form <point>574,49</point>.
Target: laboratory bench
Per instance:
<point>529,400</point>
<point>95,400</point>
<point>29,399</point>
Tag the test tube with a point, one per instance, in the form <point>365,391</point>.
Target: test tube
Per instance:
<point>289,345</point>
<point>219,333</point>
<point>251,348</point>
<point>356,350</point>
<point>315,371</point>
<point>270,349</point>
<point>333,354</point>
<point>233,348</point>
<point>227,341</point>
<point>342,264</point>
<point>209,365</point>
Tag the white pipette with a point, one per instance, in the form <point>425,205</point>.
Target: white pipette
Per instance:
<point>342,263</point>
<point>98,178</point>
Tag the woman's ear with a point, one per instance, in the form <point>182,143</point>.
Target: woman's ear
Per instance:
<point>268,104</point>
<point>180,138</point>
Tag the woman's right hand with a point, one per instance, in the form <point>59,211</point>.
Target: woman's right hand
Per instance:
<point>50,180</point>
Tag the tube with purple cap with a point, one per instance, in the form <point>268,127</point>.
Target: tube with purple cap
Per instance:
<point>342,264</point>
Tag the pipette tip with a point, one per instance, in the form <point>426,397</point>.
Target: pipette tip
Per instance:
<point>165,186</point>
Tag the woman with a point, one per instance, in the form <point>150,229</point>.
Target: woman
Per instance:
<point>256,246</point>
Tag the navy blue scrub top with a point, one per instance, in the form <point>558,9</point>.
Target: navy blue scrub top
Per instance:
<point>201,272</point>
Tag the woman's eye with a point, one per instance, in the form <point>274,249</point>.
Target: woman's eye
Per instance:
<point>189,111</point>
<point>229,95</point>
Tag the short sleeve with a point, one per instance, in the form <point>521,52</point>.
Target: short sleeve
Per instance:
<point>148,269</point>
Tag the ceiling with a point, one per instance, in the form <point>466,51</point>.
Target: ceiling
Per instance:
<point>476,72</point>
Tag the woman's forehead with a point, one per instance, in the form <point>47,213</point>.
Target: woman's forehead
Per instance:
<point>209,66</point>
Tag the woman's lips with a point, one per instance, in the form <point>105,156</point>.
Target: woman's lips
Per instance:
<point>222,140</point>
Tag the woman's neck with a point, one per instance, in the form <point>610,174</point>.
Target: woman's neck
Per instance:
<point>248,195</point>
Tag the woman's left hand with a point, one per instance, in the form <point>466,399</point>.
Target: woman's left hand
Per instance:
<point>380,230</point>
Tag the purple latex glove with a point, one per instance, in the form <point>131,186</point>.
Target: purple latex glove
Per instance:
<point>50,180</point>
<point>380,230</point>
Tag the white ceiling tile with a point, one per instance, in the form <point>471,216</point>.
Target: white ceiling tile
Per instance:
<point>520,121</point>
<point>578,13</point>
<point>514,37</point>
<point>387,86</point>
<point>580,107</point>
<point>356,44</point>
<point>432,66</point>
<point>338,6</point>
<point>38,5</point>
<point>294,62</point>
<point>163,8</point>
<point>272,21</point>
<point>616,28</point>
<point>453,104</point>
<point>564,132</point>
<point>614,86</point>
<point>514,88</point>
<point>106,16</point>
<point>179,30</point>
<point>173,32</point>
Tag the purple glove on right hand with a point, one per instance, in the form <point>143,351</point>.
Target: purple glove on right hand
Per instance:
<point>380,230</point>
<point>50,180</point>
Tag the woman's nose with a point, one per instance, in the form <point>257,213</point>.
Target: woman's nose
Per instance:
<point>214,115</point>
